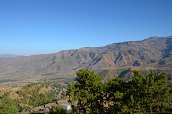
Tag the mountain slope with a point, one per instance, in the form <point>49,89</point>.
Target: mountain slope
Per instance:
<point>151,53</point>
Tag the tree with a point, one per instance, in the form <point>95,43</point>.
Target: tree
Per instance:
<point>148,94</point>
<point>142,94</point>
<point>85,94</point>
<point>115,92</point>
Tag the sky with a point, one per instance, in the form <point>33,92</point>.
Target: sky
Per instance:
<point>30,27</point>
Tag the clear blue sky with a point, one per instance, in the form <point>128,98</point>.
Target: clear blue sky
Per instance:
<point>46,26</point>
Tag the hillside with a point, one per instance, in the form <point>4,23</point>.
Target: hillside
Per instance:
<point>151,53</point>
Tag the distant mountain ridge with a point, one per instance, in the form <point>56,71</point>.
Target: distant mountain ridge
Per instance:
<point>7,55</point>
<point>151,53</point>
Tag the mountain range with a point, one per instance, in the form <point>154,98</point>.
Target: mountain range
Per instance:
<point>150,53</point>
<point>7,55</point>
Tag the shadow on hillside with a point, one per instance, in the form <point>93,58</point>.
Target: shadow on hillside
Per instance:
<point>168,50</point>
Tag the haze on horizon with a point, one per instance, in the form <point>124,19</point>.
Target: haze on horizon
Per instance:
<point>41,26</point>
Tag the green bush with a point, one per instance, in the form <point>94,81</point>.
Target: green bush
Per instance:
<point>58,110</point>
<point>8,105</point>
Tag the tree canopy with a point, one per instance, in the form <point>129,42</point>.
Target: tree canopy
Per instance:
<point>142,94</point>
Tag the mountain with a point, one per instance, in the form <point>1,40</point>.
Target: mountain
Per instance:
<point>151,53</point>
<point>7,55</point>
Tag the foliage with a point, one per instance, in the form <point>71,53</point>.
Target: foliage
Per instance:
<point>86,94</point>
<point>8,105</point>
<point>148,94</point>
<point>58,110</point>
<point>142,94</point>
<point>32,95</point>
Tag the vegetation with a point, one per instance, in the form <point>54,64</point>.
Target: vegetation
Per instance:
<point>58,110</point>
<point>30,96</point>
<point>8,105</point>
<point>89,94</point>
<point>38,94</point>
<point>142,94</point>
